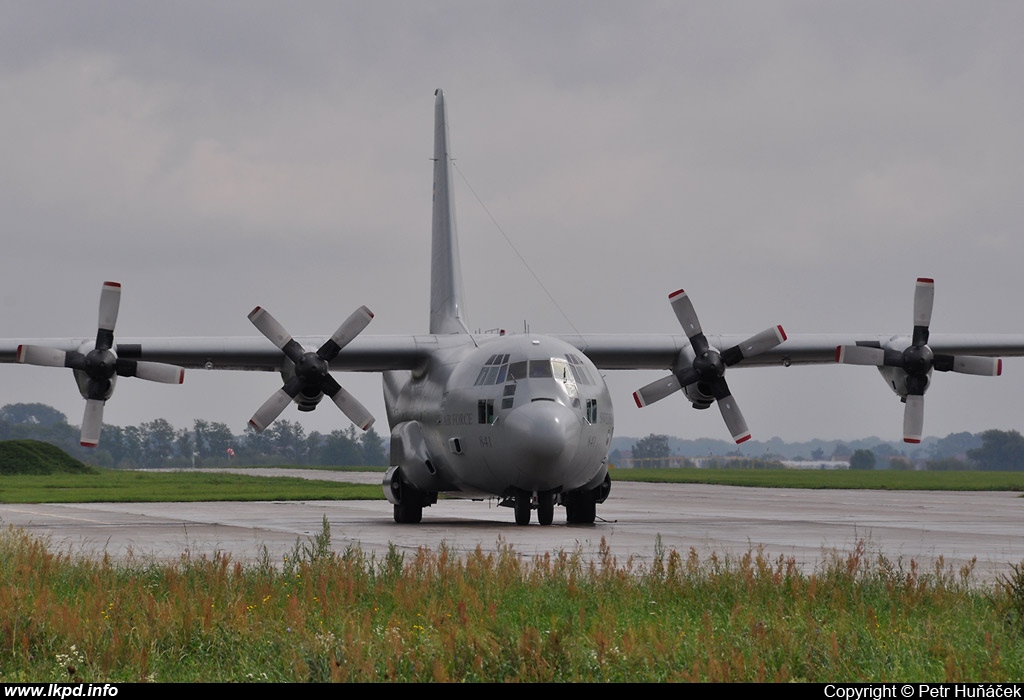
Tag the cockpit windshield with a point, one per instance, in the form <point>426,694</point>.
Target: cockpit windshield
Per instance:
<point>569,371</point>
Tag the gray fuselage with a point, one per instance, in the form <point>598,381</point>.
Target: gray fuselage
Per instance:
<point>493,415</point>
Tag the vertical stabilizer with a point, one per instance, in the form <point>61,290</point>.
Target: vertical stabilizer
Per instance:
<point>447,308</point>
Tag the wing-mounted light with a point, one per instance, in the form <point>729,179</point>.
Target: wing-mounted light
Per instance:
<point>97,366</point>
<point>312,370</point>
<point>911,364</point>
<point>706,370</point>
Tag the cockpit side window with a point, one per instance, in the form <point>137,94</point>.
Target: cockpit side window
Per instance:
<point>560,370</point>
<point>494,370</point>
<point>579,370</point>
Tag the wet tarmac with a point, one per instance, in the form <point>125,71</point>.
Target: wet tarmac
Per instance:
<point>638,520</point>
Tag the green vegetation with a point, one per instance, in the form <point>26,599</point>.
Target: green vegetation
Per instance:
<point>320,615</point>
<point>34,457</point>
<point>106,485</point>
<point>126,487</point>
<point>827,479</point>
<point>158,444</point>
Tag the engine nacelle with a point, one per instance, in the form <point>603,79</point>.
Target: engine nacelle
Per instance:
<point>82,379</point>
<point>896,377</point>
<point>305,402</point>
<point>698,398</point>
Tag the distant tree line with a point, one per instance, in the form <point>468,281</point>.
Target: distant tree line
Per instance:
<point>992,450</point>
<point>159,444</point>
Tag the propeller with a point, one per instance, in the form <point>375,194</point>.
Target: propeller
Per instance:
<point>312,369</point>
<point>96,369</point>
<point>708,367</point>
<point>917,360</point>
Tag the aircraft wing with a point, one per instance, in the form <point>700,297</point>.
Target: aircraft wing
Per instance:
<point>659,351</point>
<point>362,354</point>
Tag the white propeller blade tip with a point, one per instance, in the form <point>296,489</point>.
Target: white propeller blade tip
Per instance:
<point>742,438</point>
<point>639,400</point>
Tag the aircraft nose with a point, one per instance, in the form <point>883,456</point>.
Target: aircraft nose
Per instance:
<point>546,433</point>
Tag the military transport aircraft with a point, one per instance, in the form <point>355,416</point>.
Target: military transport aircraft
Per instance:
<point>521,417</point>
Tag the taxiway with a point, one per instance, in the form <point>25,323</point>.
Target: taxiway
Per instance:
<point>979,529</point>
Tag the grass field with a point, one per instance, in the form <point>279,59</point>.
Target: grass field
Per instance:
<point>829,479</point>
<point>154,486</point>
<point>130,486</point>
<point>319,615</point>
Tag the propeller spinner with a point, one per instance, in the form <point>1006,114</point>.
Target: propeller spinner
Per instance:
<point>917,360</point>
<point>707,369</point>
<point>96,369</point>
<point>312,369</point>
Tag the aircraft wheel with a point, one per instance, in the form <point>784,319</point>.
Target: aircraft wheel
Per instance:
<point>580,509</point>
<point>408,514</point>
<point>586,512</point>
<point>545,508</point>
<point>523,508</point>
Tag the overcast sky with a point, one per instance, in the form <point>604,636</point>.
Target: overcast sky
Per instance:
<point>785,162</point>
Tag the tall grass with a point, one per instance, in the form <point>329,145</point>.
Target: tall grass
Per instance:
<point>321,615</point>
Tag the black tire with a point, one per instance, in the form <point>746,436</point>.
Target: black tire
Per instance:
<point>580,509</point>
<point>545,508</point>
<point>408,514</point>
<point>586,512</point>
<point>523,508</point>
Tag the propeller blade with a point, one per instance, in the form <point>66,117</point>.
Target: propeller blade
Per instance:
<point>734,420</point>
<point>92,423</point>
<point>41,356</point>
<point>95,369</point>
<point>924,298</point>
<point>270,410</point>
<point>754,345</point>
<point>685,312</point>
<point>970,364</point>
<point>110,302</point>
<point>312,370</point>
<point>860,355</point>
<point>159,372</point>
<point>349,329</point>
<point>706,366</point>
<point>269,327</point>
<point>913,419</point>
<point>656,391</point>
<point>348,404</point>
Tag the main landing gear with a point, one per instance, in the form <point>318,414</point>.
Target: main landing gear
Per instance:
<point>408,501</point>
<point>525,502</point>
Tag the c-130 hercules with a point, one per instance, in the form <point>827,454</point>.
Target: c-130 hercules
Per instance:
<point>525,418</point>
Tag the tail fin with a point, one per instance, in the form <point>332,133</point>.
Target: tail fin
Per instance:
<point>447,309</point>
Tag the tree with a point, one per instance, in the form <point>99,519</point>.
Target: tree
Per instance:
<point>999,451</point>
<point>373,449</point>
<point>158,442</point>
<point>653,448</point>
<point>341,449</point>
<point>862,459</point>
<point>954,445</point>
<point>31,414</point>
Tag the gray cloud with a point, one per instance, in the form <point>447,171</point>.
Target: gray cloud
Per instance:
<point>791,163</point>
